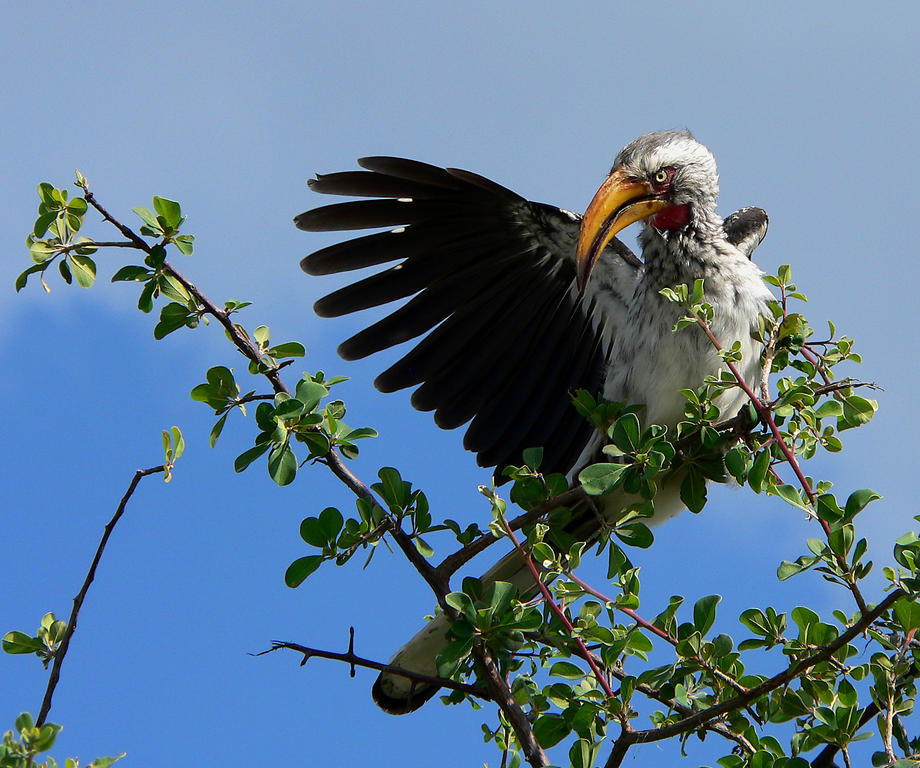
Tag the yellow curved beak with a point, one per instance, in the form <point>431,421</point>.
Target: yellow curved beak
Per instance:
<point>619,202</point>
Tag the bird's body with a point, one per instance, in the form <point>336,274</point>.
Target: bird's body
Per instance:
<point>518,324</point>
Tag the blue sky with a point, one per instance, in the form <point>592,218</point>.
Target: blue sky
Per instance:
<point>811,112</point>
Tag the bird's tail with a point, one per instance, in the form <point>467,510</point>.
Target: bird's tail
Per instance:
<point>398,694</point>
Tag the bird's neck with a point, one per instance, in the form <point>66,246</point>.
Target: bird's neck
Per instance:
<point>681,255</point>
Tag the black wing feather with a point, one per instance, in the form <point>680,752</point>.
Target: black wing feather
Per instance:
<point>486,363</point>
<point>491,279</point>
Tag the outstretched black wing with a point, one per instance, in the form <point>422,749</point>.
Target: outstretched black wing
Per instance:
<point>493,275</point>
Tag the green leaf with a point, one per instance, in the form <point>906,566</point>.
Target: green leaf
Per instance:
<point>169,210</point>
<point>289,409</point>
<point>907,612</point>
<point>172,317</point>
<point>533,457</point>
<point>157,256</point>
<point>178,442</point>
<point>736,462</point>
<point>841,538</point>
<point>804,617</point>
<point>302,567</point>
<point>24,276</point>
<point>756,621</point>
<point>567,670</point>
<point>77,206</point>
<point>247,457</point>
<point>20,642</point>
<point>171,287</point>
<point>43,222</point>
<point>423,547</point>
<point>331,521</point>
<point>693,490</point>
<point>282,464</point>
<point>550,729</point>
<point>759,471</point>
<point>218,390</point>
<point>829,408</point>
<point>105,762</point>
<point>41,251</point>
<point>635,535</point>
<point>462,603</point>
<point>452,653</point>
<point>858,500</point>
<point>145,302</point>
<point>856,412</point>
<point>393,488</point>
<point>131,272</point>
<point>46,193</point>
<point>261,334</point>
<point>84,269</point>
<point>360,433</point>
<point>217,429</point>
<point>310,393</point>
<point>639,642</point>
<point>312,532</point>
<point>787,569</point>
<point>617,561</point>
<point>846,693</point>
<point>626,433</point>
<point>184,244</point>
<point>47,734</point>
<point>499,596</point>
<point>704,613</point>
<point>790,495</point>
<point>598,479</point>
<point>828,509</point>
<point>147,217</point>
<point>317,442</point>
<point>288,349</point>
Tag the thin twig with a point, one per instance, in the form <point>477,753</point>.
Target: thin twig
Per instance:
<point>353,660</point>
<point>456,560</point>
<point>81,595</point>
<point>63,249</point>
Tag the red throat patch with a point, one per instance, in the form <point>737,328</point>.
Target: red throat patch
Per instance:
<point>672,217</point>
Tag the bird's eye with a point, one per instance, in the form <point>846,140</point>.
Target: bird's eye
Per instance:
<point>661,177</point>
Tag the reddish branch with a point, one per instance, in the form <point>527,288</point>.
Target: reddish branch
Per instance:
<point>555,608</point>
<point>767,416</point>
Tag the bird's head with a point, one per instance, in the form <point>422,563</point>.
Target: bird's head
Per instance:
<point>667,179</point>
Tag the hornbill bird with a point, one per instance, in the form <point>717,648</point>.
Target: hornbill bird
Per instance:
<point>526,303</point>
